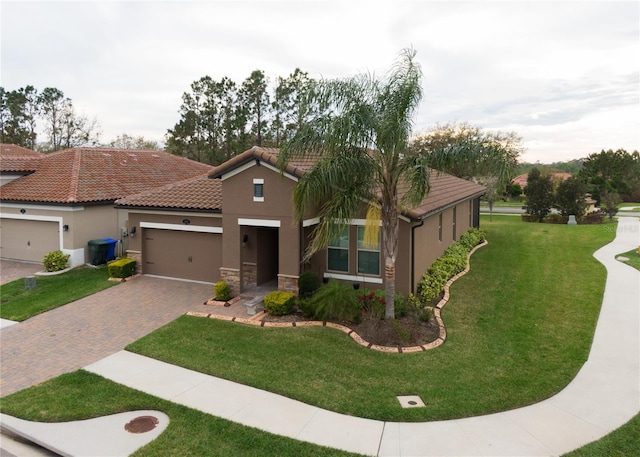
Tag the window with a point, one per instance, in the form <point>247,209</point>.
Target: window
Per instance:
<point>258,190</point>
<point>368,256</point>
<point>440,227</point>
<point>454,223</point>
<point>338,252</point>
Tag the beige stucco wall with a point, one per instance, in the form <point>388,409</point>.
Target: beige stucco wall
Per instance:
<point>84,223</point>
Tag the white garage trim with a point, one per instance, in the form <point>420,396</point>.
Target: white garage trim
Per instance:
<point>34,217</point>
<point>181,227</point>
<point>258,222</point>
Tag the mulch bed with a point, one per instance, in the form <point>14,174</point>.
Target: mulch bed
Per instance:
<point>402,331</point>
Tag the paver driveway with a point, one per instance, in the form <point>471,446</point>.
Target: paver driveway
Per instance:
<point>75,335</point>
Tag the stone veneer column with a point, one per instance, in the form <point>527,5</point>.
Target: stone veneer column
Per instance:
<point>137,256</point>
<point>232,277</point>
<point>249,275</point>
<point>288,283</point>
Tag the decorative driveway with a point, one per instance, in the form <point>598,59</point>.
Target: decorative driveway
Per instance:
<point>85,331</point>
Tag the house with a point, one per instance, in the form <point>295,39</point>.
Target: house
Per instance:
<point>555,177</point>
<point>62,200</point>
<point>237,224</point>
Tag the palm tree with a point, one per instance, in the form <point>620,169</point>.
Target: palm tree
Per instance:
<point>358,141</point>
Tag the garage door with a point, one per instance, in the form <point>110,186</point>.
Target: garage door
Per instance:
<point>185,255</point>
<point>28,240</point>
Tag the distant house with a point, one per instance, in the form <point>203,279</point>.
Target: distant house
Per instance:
<point>556,177</point>
<point>236,224</point>
<point>61,200</point>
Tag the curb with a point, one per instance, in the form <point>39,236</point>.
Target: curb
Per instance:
<point>253,321</point>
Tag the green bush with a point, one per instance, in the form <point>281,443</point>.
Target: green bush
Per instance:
<point>279,303</point>
<point>55,261</point>
<point>308,284</point>
<point>453,261</point>
<point>222,291</point>
<point>122,268</point>
<point>333,301</point>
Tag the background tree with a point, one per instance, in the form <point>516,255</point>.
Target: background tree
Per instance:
<point>612,171</point>
<point>469,152</point>
<point>570,197</point>
<point>288,110</point>
<point>610,201</point>
<point>255,100</point>
<point>126,141</point>
<point>19,110</point>
<point>539,194</point>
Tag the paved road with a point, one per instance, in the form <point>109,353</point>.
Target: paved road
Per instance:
<point>11,270</point>
<point>73,336</point>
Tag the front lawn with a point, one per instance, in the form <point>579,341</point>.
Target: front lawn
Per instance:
<point>84,395</point>
<point>519,327</point>
<point>18,304</point>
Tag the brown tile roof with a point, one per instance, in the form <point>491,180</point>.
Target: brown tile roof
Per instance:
<point>86,175</point>
<point>8,150</point>
<point>16,159</point>
<point>199,193</point>
<point>446,190</point>
<point>268,155</point>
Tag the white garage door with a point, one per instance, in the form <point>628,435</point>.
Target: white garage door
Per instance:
<point>28,240</point>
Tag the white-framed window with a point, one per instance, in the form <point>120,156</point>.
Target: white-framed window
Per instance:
<point>338,252</point>
<point>368,256</point>
<point>258,190</point>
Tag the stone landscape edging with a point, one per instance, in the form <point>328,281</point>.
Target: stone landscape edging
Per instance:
<point>254,320</point>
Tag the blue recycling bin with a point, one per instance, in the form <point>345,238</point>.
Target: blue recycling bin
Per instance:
<point>111,248</point>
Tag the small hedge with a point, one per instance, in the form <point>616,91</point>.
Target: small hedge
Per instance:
<point>279,303</point>
<point>308,284</point>
<point>55,261</point>
<point>122,268</point>
<point>222,291</point>
<point>450,264</point>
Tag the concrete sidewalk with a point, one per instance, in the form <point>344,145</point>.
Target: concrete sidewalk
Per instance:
<point>552,427</point>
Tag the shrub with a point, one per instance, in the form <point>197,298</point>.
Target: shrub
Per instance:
<point>335,301</point>
<point>279,303</point>
<point>222,291</point>
<point>453,261</point>
<point>593,218</point>
<point>373,303</point>
<point>122,268</point>
<point>308,284</point>
<point>425,314</point>
<point>556,219</point>
<point>401,306</point>
<point>55,261</point>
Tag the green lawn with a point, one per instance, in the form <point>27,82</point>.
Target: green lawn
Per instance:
<point>633,256</point>
<point>519,325</point>
<point>83,395</point>
<point>18,304</point>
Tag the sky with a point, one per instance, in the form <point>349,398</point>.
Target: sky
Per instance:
<point>565,76</point>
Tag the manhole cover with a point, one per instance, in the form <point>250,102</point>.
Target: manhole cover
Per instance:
<point>141,424</point>
<point>410,401</point>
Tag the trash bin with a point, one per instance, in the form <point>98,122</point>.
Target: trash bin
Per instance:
<point>111,248</point>
<point>98,252</point>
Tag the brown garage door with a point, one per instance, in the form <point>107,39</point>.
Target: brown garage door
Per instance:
<point>22,239</point>
<point>185,255</point>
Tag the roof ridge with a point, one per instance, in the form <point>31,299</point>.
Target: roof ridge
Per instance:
<point>75,176</point>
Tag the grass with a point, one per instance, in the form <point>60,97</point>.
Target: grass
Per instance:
<point>627,204</point>
<point>503,204</point>
<point>633,256</point>
<point>623,441</point>
<point>18,304</point>
<point>516,334</point>
<point>84,395</point>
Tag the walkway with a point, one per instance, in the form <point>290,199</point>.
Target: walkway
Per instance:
<point>72,336</point>
<point>604,395</point>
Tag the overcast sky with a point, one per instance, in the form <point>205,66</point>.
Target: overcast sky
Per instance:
<point>563,75</point>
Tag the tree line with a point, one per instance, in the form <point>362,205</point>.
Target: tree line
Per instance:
<point>609,177</point>
<point>24,109</point>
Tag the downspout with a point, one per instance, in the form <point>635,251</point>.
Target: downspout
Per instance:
<point>413,253</point>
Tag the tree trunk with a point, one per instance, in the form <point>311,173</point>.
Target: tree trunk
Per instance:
<point>389,288</point>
